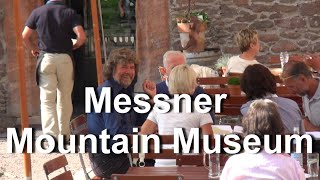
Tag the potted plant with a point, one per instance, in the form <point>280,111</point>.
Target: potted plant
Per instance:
<point>234,86</point>
<point>191,27</point>
<point>221,64</point>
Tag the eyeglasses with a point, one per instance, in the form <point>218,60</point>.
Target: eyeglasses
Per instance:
<point>289,77</point>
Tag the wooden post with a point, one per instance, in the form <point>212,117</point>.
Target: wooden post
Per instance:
<point>96,35</point>
<point>22,83</point>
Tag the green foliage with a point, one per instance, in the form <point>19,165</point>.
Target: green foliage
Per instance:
<point>111,17</point>
<point>201,15</point>
<point>234,81</point>
<point>223,61</point>
<point>110,12</point>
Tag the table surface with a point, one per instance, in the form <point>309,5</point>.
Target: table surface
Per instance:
<point>187,172</point>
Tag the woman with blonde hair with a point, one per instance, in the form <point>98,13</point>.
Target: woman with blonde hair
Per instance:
<point>182,80</point>
<point>249,45</point>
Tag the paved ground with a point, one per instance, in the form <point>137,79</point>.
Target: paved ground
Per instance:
<point>11,165</point>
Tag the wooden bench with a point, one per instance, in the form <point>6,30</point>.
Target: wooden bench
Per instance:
<point>219,85</point>
<point>231,105</point>
<point>275,60</point>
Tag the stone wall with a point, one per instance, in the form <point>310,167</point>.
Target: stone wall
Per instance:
<point>3,72</point>
<point>283,25</point>
<point>9,81</point>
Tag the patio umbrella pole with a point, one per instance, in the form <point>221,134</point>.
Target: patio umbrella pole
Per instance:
<point>22,84</point>
<point>95,25</point>
<point>102,33</point>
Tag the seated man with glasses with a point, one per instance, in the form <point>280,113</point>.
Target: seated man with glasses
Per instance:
<point>297,76</point>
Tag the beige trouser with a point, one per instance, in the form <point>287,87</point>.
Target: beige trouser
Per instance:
<point>56,84</point>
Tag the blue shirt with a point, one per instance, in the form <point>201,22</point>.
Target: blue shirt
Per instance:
<point>289,111</point>
<point>114,122</point>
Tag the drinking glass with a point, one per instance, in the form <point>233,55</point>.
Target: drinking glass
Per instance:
<point>284,58</point>
<point>313,164</point>
<point>214,165</point>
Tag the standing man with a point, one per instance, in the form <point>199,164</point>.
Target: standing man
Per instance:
<point>298,78</point>
<point>55,24</point>
<point>120,74</point>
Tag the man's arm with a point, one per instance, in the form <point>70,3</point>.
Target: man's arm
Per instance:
<point>81,37</point>
<point>207,129</point>
<point>26,36</point>
<point>308,126</point>
<point>148,127</point>
<point>121,8</point>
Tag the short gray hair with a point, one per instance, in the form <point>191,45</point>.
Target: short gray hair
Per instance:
<point>172,54</point>
<point>295,68</point>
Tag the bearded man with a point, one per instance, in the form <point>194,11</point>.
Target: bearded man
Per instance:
<point>120,74</point>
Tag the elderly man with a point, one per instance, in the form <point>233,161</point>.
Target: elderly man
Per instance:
<point>298,78</point>
<point>120,74</point>
<point>171,59</point>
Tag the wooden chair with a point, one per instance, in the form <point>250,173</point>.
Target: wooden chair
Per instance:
<point>55,164</point>
<point>213,80</point>
<point>197,160</point>
<point>146,177</point>
<point>168,153</point>
<point>231,106</point>
<point>218,85</point>
<point>213,91</point>
<point>164,154</point>
<point>234,101</point>
<point>193,159</point>
<point>78,126</point>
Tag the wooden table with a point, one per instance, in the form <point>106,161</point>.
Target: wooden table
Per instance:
<point>187,172</point>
